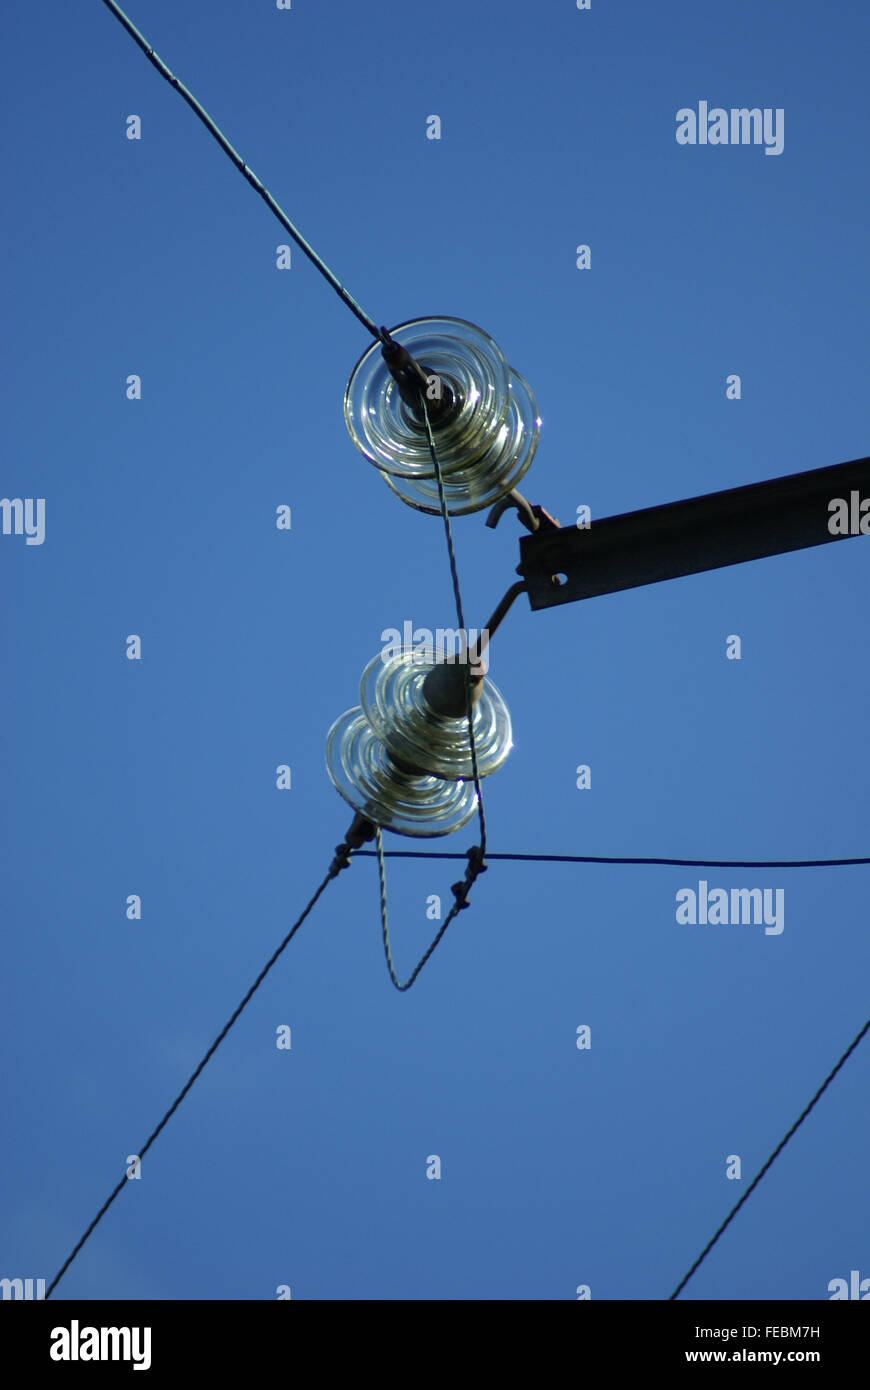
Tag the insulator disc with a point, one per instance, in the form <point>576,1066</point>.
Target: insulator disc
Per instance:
<point>490,441</point>
<point>365,775</point>
<point>392,696</point>
<point>399,763</point>
<point>489,477</point>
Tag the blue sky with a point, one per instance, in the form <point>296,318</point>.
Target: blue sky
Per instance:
<point>156,777</point>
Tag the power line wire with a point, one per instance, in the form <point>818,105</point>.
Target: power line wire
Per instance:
<point>333,871</point>
<point>476,854</point>
<point>777,1151</point>
<point>249,174</point>
<point>612,859</point>
<point>381,854</point>
<point>460,618</point>
<point>459,889</point>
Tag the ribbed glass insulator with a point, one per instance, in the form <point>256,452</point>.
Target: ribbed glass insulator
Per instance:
<point>389,434</point>
<point>363,772</point>
<point>483,448</point>
<point>392,696</point>
<point>489,477</point>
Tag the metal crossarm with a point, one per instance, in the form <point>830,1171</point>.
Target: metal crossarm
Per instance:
<point>688,537</point>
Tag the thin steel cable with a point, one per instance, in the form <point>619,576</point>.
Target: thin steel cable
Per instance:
<point>612,859</point>
<point>385,929</point>
<point>460,616</point>
<point>249,174</point>
<point>183,1092</point>
<point>476,855</point>
<point>777,1151</point>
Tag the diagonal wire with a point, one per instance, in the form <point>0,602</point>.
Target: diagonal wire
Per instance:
<point>777,1151</point>
<point>249,174</point>
<point>477,853</point>
<point>183,1092</point>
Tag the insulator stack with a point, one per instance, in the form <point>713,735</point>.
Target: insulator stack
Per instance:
<point>403,765</point>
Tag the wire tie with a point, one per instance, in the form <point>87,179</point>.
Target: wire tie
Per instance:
<point>476,863</point>
<point>460,892</point>
<point>341,860</point>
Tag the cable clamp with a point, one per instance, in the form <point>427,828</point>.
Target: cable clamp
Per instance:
<point>460,892</point>
<point>341,860</point>
<point>476,865</point>
<point>360,831</point>
<point>476,862</point>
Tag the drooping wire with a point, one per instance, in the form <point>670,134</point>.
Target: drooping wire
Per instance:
<point>459,889</point>
<point>476,855</point>
<point>249,174</point>
<point>614,859</point>
<point>777,1151</point>
<point>188,1084</point>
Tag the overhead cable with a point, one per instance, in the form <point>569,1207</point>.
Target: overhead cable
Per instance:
<point>188,1084</point>
<point>154,58</point>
